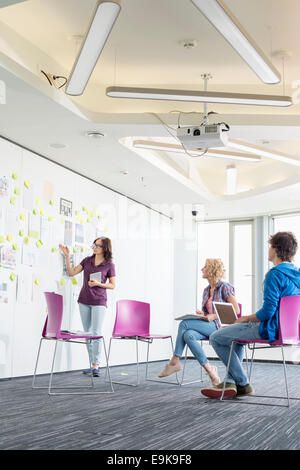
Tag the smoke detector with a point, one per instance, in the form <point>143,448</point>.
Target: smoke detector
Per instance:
<point>94,135</point>
<point>188,43</point>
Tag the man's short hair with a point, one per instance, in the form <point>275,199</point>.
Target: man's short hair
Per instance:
<point>285,244</point>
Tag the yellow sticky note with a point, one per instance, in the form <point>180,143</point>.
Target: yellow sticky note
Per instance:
<point>26,240</point>
<point>51,202</point>
<point>36,281</point>
<point>54,249</point>
<point>83,208</point>
<point>74,281</point>
<point>22,216</point>
<point>50,218</point>
<point>42,212</point>
<point>74,249</point>
<point>35,211</point>
<point>89,220</point>
<point>14,176</point>
<point>12,277</point>
<point>77,213</point>
<point>62,282</point>
<point>82,249</point>
<point>17,191</point>
<point>39,243</point>
<point>21,232</point>
<point>15,246</point>
<point>62,220</point>
<point>12,200</point>
<point>38,201</point>
<point>2,239</point>
<point>99,217</point>
<point>26,184</point>
<point>9,237</point>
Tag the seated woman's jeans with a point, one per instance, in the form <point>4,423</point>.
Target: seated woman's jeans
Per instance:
<point>190,332</point>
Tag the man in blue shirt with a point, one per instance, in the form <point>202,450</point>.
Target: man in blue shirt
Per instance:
<point>281,281</point>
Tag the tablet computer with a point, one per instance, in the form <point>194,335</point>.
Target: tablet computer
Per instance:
<point>226,313</point>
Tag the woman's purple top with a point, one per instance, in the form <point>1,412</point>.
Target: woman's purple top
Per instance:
<point>95,295</point>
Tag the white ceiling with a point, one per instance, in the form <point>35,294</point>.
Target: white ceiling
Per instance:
<point>144,49</point>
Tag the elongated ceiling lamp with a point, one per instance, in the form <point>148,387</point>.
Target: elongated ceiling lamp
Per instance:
<point>151,145</point>
<point>105,15</point>
<point>219,15</point>
<point>264,152</point>
<point>198,96</point>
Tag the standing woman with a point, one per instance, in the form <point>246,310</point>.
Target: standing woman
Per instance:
<point>192,331</point>
<point>92,299</point>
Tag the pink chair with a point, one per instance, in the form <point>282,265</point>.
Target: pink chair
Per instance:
<point>201,368</point>
<point>52,332</point>
<point>289,316</point>
<point>132,323</point>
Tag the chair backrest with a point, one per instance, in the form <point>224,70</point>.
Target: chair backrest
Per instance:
<point>240,314</point>
<point>132,318</point>
<point>289,314</point>
<point>53,322</point>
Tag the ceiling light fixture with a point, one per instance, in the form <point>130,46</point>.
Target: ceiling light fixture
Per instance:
<point>198,96</point>
<point>231,180</point>
<point>151,145</point>
<point>105,15</point>
<point>268,153</point>
<point>95,135</point>
<point>219,15</point>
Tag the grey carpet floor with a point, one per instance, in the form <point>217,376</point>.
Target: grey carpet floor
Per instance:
<point>150,416</point>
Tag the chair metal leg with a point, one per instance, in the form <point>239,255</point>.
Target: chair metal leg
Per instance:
<point>157,380</point>
<point>287,397</point>
<point>51,388</point>
<point>36,364</point>
<point>51,375</point>
<point>107,368</point>
<point>137,360</point>
<point>227,369</point>
<point>183,371</point>
<point>137,366</point>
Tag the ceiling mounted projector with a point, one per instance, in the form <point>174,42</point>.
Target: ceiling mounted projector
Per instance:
<point>203,137</point>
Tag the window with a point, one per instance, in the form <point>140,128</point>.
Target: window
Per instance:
<point>213,242</point>
<point>232,242</point>
<point>289,223</point>
<point>241,263</point>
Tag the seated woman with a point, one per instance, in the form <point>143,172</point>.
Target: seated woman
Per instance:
<point>191,331</point>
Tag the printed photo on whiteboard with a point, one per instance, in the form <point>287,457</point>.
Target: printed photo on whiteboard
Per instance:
<point>65,207</point>
<point>4,186</point>
<point>65,271</point>
<point>79,233</point>
<point>30,255</point>
<point>34,226</point>
<point>8,257</point>
<point>24,289</point>
<point>3,293</point>
<point>68,233</point>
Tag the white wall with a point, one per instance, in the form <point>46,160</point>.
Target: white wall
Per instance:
<point>143,259</point>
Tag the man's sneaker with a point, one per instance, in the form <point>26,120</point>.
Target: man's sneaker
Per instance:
<point>96,372</point>
<point>243,391</point>
<point>87,371</point>
<point>216,392</point>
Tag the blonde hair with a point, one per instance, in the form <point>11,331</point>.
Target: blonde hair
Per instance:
<point>215,269</point>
